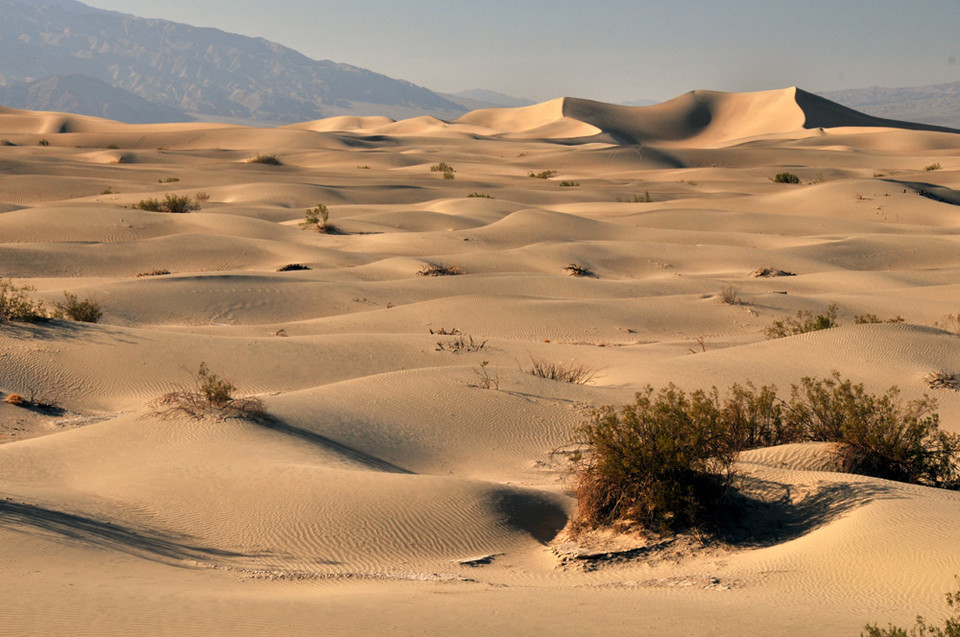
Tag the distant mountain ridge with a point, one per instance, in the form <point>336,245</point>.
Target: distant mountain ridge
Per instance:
<point>932,104</point>
<point>200,71</point>
<point>85,95</point>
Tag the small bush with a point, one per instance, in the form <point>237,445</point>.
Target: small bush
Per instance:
<point>485,379</point>
<point>202,197</point>
<point>43,141</point>
<point>85,311</point>
<point>481,195</point>
<point>575,269</point>
<point>461,344</point>
<point>209,395</point>
<point>442,167</point>
<point>543,174</point>
<point>730,295</point>
<point>16,400</point>
<point>317,218</point>
<point>170,203</point>
<point>943,380</point>
<point>569,184</point>
<point>269,160</point>
<point>106,191</point>
<point>771,272</point>
<point>786,178</point>
<point>932,167</point>
<point>646,198</point>
<point>15,305</point>
<point>156,272</point>
<point>439,269</point>
<point>803,323</point>
<point>168,180</point>
<point>292,267</point>
<point>575,373</point>
<point>442,331</point>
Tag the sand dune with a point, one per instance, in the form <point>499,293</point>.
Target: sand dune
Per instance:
<point>389,492</point>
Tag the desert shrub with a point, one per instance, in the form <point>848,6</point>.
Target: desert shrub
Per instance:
<point>730,295</point>
<point>932,167</point>
<point>786,178</point>
<point>569,184</point>
<point>485,378</point>
<point>943,380</point>
<point>543,174</point>
<point>771,272</point>
<point>170,203</point>
<point>15,305</point>
<point>202,197</point>
<point>43,141</point>
<point>575,373</point>
<point>481,195</point>
<point>106,191</point>
<point>85,311</point>
<point>949,323</point>
<point>317,218</point>
<point>878,435</point>
<point>210,395</point>
<point>646,198</point>
<point>575,269</point>
<point>461,344</point>
<point>863,319</point>
<point>666,462</point>
<point>442,167</point>
<point>804,322</point>
<point>292,267</point>
<point>156,272</point>
<point>168,180</point>
<point>950,628</point>
<point>269,160</point>
<point>439,269</point>
<point>16,400</point>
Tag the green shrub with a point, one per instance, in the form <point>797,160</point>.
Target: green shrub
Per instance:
<point>43,142</point>
<point>863,319</point>
<point>803,323</point>
<point>209,395</point>
<point>786,178</point>
<point>480,195</point>
<point>932,167</point>
<point>85,311</point>
<point>170,203</point>
<point>569,184</point>
<point>442,167</point>
<point>15,305</point>
<point>317,218</point>
<point>665,462</point>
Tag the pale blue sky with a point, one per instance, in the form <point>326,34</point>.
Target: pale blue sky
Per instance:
<point>612,50</point>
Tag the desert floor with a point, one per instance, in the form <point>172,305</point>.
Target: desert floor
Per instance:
<point>391,493</point>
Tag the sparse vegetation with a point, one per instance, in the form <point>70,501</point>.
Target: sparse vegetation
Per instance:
<point>292,267</point>
<point>317,218</point>
<point>168,180</point>
<point>43,141</point>
<point>932,167</point>
<point>543,174</point>
<point>446,332</point>
<point>170,203</point>
<point>575,269</point>
<point>804,322</point>
<point>16,305</point>
<point>950,627</point>
<point>861,319</point>
<point>461,344</point>
<point>771,272</point>
<point>574,372</point>
<point>269,160</point>
<point>949,323</point>
<point>439,269</point>
<point>155,272</point>
<point>445,168</point>
<point>16,400</point>
<point>786,178</point>
<point>202,197</point>
<point>485,378</point>
<point>481,195</point>
<point>85,311</point>
<point>210,395</point>
<point>106,191</point>
<point>943,380</point>
<point>666,461</point>
<point>569,184</point>
<point>730,295</point>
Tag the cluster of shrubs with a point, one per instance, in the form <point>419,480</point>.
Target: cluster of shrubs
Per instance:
<point>667,461</point>
<point>445,168</point>
<point>16,305</point>
<point>806,321</point>
<point>170,203</point>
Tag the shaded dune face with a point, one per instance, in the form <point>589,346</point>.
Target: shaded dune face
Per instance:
<point>410,475</point>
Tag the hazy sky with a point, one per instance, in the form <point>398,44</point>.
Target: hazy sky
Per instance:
<point>612,50</point>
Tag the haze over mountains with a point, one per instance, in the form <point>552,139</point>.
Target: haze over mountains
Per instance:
<point>203,72</point>
<point>62,55</point>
